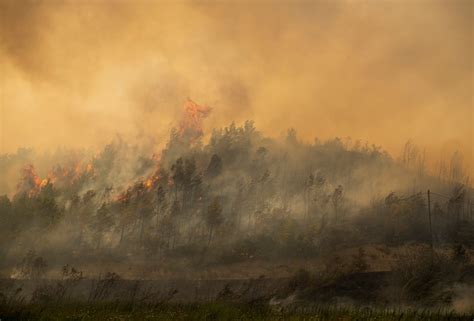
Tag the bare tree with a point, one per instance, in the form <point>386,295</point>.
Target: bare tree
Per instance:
<point>456,171</point>
<point>410,154</point>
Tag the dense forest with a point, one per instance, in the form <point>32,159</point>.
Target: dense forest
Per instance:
<point>238,196</point>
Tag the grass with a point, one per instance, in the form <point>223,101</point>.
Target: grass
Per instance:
<point>213,311</point>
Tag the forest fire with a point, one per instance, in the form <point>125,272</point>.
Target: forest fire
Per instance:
<point>75,173</point>
<point>124,197</point>
<point>198,160</point>
<point>68,175</point>
<point>191,125</point>
<point>31,183</point>
<point>152,181</point>
<point>149,183</point>
<point>220,197</point>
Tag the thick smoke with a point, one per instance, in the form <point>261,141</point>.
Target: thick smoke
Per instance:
<point>75,74</point>
<point>102,167</point>
<point>129,197</point>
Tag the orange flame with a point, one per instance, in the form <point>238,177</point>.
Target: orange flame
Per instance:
<point>124,197</point>
<point>70,174</point>
<point>31,183</point>
<point>149,183</point>
<point>44,182</point>
<point>191,125</point>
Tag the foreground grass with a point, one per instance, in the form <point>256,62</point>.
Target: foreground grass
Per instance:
<point>212,311</point>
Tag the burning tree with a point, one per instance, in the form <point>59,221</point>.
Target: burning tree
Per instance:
<point>30,182</point>
<point>188,132</point>
<point>190,126</point>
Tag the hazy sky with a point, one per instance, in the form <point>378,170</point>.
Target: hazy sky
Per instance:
<point>75,73</point>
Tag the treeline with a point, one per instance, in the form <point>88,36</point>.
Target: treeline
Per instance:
<point>239,196</point>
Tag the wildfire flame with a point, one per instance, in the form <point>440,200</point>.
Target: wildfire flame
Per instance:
<point>148,183</point>
<point>154,179</point>
<point>191,125</point>
<point>31,183</point>
<point>69,175</point>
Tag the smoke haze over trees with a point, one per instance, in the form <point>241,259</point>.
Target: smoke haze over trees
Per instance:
<point>273,197</point>
<point>326,159</point>
<point>371,70</point>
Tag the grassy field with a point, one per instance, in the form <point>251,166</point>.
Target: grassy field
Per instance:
<point>213,311</point>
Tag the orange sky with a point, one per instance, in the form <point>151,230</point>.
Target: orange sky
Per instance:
<point>75,73</point>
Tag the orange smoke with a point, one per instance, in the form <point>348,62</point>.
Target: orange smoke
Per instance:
<point>190,126</point>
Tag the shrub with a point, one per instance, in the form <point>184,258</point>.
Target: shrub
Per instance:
<point>425,276</point>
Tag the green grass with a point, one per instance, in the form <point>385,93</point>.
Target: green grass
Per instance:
<point>211,311</point>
